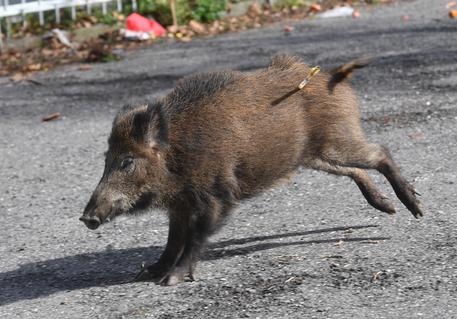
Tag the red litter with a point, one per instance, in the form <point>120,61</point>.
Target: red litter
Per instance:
<point>136,22</point>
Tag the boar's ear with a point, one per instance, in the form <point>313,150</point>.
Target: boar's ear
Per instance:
<point>151,126</point>
<point>157,131</point>
<point>127,108</point>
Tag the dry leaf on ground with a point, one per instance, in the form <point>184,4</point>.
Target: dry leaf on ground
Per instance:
<point>52,117</point>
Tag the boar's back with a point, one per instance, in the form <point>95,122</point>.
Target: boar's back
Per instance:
<point>192,89</point>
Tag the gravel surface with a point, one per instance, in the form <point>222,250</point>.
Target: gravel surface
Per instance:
<point>311,248</point>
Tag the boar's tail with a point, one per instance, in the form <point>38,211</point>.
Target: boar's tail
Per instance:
<point>344,71</point>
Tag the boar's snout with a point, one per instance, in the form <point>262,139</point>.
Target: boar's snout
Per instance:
<point>92,222</point>
<point>96,211</point>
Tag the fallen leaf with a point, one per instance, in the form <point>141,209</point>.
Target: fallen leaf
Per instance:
<point>85,67</point>
<point>118,16</point>
<point>172,28</point>
<point>416,136</point>
<point>86,24</point>
<point>405,17</point>
<point>288,28</point>
<point>34,67</point>
<point>371,241</point>
<point>451,4</point>
<point>47,52</point>
<point>52,117</point>
<point>339,243</point>
<point>18,77</point>
<point>315,8</point>
<point>453,14</point>
<point>376,275</point>
<point>255,9</point>
<point>356,14</point>
<point>197,27</point>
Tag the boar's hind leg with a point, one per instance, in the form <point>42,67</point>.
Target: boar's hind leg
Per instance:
<point>369,190</point>
<point>374,156</point>
<point>177,236</point>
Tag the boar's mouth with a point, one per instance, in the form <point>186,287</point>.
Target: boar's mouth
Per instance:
<point>145,201</point>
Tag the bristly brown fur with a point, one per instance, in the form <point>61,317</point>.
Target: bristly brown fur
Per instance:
<point>284,61</point>
<point>215,139</point>
<point>192,89</point>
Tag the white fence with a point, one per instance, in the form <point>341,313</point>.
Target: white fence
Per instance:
<point>16,10</point>
<point>9,8</point>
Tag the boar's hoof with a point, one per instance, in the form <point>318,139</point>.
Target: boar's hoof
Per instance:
<point>408,197</point>
<point>177,276</point>
<point>172,279</point>
<point>162,276</point>
<point>384,204</point>
<point>151,273</point>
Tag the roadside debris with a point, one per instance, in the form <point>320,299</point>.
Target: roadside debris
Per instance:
<point>453,12</point>
<point>52,117</point>
<point>25,77</point>
<point>59,47</point>
<point>85,67</point>
<point>18,77</point>
<point>356,14</point>
<point>314,8</point>
<point>255,9</point>
<point>337,12</point>
<point>197,27</point>
<point>139,28</point>
<point>288,28</point>
<point>416,136</point>
<point>136,22</point>
<point>62,37</point>
<point>339,243</point>
<point>376,275</point>
<point>136,35</point>
<point>101,52</point>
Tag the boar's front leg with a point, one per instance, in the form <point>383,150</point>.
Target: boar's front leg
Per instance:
<point>197,238</point>
<point>205,219</point>
<point>191,223</point>
<point>177,237</point>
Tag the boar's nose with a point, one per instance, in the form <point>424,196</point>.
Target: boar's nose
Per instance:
<point>92,222</point>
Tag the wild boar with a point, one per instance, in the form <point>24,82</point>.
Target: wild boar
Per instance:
<point>218,138</point>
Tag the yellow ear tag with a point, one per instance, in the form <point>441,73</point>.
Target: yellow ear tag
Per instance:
<point>308,78</point>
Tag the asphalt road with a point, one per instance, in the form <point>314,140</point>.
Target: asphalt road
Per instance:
<point>311,248</point>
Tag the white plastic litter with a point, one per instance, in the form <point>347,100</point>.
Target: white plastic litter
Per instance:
<point>135,35</point>
<point>62,36</point>
<point>337,12</point>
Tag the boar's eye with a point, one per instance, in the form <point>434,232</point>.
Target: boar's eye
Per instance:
<point>127,163</point>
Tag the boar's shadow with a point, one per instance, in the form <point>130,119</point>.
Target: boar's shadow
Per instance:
<point>114,267</point>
